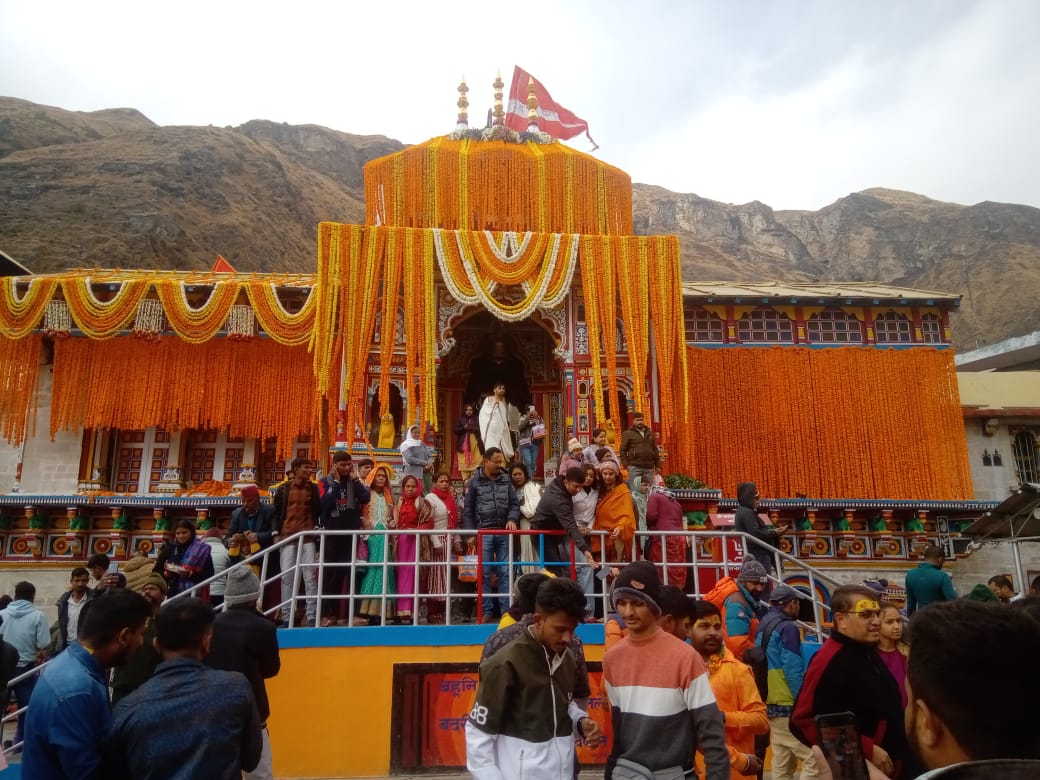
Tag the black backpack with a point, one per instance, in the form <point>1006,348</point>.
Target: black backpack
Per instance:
<point>755,657</point>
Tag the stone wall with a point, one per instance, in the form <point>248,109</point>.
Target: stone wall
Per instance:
<point>993,483</point>
<point>50,584</point>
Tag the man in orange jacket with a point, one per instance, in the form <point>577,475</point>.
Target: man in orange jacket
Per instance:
<point>735,691</point>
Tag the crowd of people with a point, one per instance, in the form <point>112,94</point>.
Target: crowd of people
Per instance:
<point>923,699</point>
<point>126,663</point>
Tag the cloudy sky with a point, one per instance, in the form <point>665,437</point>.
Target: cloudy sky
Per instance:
<point>791,103</point>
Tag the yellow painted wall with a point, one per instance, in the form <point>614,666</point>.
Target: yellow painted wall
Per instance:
<point>330,706</point>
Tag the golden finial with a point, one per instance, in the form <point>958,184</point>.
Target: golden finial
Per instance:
<point>500,115</point>
<point>463,104</point>
<point>532,106</point>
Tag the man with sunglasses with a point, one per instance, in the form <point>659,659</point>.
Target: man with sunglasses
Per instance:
<point>848,675</point>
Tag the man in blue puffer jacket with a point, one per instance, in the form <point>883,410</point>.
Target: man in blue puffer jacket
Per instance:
<point>492,503</point>
<point>786,671</point>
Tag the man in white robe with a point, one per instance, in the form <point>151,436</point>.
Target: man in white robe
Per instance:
<point>494,422</point>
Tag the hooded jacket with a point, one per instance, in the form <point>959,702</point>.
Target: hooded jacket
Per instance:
<point>25,627</point>
<point>783,660</point>
<point>748,520</point>
<point>735,691</point>
<point>523,720</point>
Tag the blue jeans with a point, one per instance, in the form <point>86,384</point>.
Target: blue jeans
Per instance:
<point>639,471</point>
<point>495,550</point>
<point>530,455</point>
<point>22,693</point>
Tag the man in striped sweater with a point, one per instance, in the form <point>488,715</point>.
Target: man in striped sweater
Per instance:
<point>662,706</point>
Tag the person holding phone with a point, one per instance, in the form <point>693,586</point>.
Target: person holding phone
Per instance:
<point>848,675</point>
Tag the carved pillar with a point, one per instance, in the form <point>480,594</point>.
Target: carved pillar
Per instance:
<point>120,533</point>
<point>159,530</point>
<point>35,537</point>
<point>94,466</point>
<point>76,534</point>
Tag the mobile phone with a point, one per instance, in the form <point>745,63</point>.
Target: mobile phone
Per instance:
<point>841,745</point>
<point>113,567</point>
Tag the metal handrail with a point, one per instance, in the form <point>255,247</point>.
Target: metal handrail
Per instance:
<point>262,557</point>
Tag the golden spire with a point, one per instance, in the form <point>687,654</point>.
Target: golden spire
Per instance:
<point>500,115</point>
<point>532,106</point>
<point>463,104</point>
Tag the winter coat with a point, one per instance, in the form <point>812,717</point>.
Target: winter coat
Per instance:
<point>555,512</point>
<point>639,449</point>
<point>783,660</point>
<point>264,524</point>
<point>748,521</point>
<point>244,641</point>
<point>737,696</point>
<point>341,502</point>
<point>490,503</point>
<point>523,720</point>
<point>25,627</point>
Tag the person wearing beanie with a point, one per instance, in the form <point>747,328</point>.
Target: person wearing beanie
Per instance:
<point>247,642</point>
<point>662,705</point>
<point>139,666</point>
<point>740,609</point>
<point>783,642</point>
<point>572,459</point>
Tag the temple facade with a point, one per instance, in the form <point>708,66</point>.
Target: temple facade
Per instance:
<point>132,397</point>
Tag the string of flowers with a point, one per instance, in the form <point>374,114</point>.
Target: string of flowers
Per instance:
<point>91,390</point>
<point>810,432</point>
<point>476,185</point>
<point>392,271</point>
<point>19,381</point>
<point>103,319</point>
<point>285,328</point>
<point>196,325</point>
<point>19,316</point>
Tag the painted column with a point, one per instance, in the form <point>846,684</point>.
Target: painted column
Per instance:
<point>173,474</point>
<point>250,457</point>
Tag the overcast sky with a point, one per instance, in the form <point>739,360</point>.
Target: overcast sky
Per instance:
<point>791,103</point>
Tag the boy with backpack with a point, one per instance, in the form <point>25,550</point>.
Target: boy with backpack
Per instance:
<point>781,640</point>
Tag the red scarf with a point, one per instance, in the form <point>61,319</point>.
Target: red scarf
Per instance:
<point>448,498</point>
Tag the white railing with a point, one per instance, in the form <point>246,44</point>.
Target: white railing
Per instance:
<point>288,607</point>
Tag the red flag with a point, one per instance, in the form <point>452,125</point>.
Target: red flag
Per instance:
<point>553,118</point>
<point>222,266</point>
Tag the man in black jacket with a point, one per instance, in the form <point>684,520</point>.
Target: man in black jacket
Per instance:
<point>69,605</point>
<point>343,495</point>
<point>748,521</point>
<point>244,641</point>
<point>555,512</point>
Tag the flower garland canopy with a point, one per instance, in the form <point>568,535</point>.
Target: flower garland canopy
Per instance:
<point>477,185</point>
<point>105,319</point>
<point>92,389</point>
<point>19,383</point>
<point>896,433</point>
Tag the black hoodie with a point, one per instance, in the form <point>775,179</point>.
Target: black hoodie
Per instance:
<point>748,521</point>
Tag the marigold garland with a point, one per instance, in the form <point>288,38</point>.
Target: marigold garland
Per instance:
<point>196,325</point>
<point>479,185</point>
<point>19,316</point>
<point>19,384</point>
<point>285,328</point>
<point>788,419</point>
<point>103,319</point>
<point>218,384</point>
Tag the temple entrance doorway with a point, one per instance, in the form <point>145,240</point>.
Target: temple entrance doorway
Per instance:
<point>488,351</point>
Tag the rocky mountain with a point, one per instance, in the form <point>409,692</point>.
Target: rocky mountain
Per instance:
<point>111,188</point>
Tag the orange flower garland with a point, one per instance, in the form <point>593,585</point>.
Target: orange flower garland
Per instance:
<point>829,423</point>
<point>214,385</point>
<point>285,328</point>
<point>103,320</point>
<point>196,325</point>
<point>19,316</point>
<point>478,185</point>
<point>19,381</point>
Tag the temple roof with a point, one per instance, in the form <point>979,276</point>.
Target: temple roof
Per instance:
<point>807,292</point>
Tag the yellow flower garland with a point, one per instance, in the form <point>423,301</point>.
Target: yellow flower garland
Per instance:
<point>21,316</point>
<point>103,320</point>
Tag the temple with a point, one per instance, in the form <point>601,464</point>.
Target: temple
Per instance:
<point>131,397</point>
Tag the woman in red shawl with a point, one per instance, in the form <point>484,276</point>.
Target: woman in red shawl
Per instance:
<point>445,514</point>
<point>412,513</point>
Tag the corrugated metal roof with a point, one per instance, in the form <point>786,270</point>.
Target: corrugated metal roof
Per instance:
<point>805,291</point>
<point>1000,389</point>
